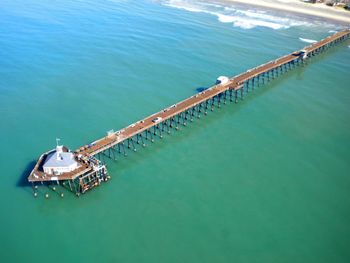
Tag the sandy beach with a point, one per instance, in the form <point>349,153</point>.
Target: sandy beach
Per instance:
<point>296,6</point>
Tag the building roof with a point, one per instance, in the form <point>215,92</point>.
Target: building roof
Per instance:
<point>59,159</point>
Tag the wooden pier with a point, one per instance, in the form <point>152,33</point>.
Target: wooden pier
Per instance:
<point>92,170</point>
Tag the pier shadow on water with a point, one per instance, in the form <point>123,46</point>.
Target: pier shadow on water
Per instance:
<point>201,89</point>
<point>22,181</point>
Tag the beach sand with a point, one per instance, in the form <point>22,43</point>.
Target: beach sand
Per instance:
<point>296,6</point>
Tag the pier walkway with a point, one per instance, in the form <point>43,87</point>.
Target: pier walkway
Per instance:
<point>89,156</point>
<point>235,84</point>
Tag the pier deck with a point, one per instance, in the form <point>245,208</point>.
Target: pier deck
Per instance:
<point>235,83</point>
<point>89,165</point>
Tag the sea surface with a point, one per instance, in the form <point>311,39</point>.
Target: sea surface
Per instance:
<point>264,180</point>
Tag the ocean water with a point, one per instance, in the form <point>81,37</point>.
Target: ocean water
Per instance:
<point>265,180</point>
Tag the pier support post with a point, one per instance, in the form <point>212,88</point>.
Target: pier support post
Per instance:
<point>149,134</point>
<point>70,185</point>
<point>225,96</point>
<point>123,149</point>
<point>206,107</point>
<point>34,188</point>
<point>113,152</point>
<point>131,144</point>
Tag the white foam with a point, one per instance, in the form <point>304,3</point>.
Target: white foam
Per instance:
<point>332,31</point>
<point>214,5</point>
<point>284,22</point>
<point>247,23</point>
<point>239,18</point>
<point>183,5</point>
<point>226,8</point>
<point>224,18</point>
<point>307,40</point>
<point>262,15</point>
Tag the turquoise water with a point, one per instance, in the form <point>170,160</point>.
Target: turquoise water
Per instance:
<point>266,180</point>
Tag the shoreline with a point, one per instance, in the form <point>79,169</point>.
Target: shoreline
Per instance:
<point>298,7</point>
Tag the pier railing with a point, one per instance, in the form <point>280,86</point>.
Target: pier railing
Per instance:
<point>91,157</point>
<point>267,70</point>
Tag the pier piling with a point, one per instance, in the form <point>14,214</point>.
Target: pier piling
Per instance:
<point>92,170</point>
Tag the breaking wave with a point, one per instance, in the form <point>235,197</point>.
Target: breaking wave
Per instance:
<point>245,19</point>
<point>307,40</point>
<point>247,23</point>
